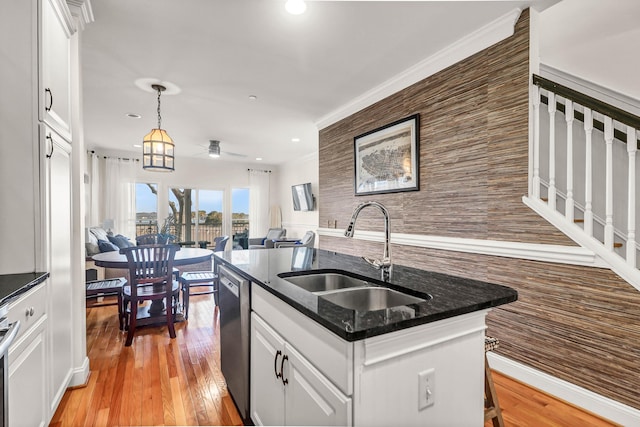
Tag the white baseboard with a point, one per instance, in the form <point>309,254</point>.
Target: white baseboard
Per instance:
<point>80,375</point>
<point>578,396</point>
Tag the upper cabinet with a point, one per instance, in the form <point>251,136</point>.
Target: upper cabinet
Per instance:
<point>54,40</point>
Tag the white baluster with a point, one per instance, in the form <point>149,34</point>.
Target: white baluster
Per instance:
<point>632,147</point>
<point>568,114</point>
<point>608,226</point>
<point>536,142</point>
<point>588,175</point>
<point>552,150</point>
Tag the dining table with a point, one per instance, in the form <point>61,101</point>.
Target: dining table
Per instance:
<point>185,256</point>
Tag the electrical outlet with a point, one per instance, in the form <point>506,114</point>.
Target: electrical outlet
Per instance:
<point>426,388</point>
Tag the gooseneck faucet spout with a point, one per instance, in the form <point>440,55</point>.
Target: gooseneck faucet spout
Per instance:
<point>385,262</point>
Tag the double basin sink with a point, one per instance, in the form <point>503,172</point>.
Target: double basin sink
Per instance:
<point>351,291</point>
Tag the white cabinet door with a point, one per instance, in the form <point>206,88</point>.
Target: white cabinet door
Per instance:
<point>27,390</point>
<point>55,66</point>
<point>311,399</point>
<point>60,287</point>
<point>267,388</point>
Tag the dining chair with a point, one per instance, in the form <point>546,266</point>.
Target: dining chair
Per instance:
<point>150,279</point>
<point>196,279</point>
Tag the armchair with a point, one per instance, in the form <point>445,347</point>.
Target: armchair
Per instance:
<point>267,241</point>
<point>306,241</point>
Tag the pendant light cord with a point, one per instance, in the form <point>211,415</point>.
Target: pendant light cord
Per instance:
<point>159,117</point>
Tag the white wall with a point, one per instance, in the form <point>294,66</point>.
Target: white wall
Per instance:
<point>205,174</point>
<point>299,171</point>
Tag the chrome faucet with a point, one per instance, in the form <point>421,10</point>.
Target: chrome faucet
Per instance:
<point>385,262</point>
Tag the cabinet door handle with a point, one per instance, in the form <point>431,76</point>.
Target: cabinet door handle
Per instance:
<point>48,137</point>
<point>48,91</point>
<point>284,380</point>
<point>275,364</point>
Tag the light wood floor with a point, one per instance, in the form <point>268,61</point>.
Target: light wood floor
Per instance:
<point>159,381</point>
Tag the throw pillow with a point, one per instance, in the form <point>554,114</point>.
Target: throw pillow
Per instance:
<point>99,232</point>
<point>120,241</point>
<point>106,246</point>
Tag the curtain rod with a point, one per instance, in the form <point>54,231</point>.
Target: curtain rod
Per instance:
<point>109,157</point>
<point>259,170</point>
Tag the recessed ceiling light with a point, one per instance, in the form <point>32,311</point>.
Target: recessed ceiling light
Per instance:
<point>295,7</point>
<point>133,116</point>
<point>295,139</point>
<point>258,158</point>
<point>137,145</point>
<point>253,97</point>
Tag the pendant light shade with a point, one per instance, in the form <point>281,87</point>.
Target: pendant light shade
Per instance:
<point>157,145</point>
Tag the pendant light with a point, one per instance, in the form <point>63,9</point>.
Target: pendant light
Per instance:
<point>157,146</point>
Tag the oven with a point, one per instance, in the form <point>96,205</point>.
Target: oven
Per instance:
<point>8,333</point>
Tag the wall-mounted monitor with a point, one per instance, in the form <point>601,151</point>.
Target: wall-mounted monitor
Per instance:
<point>303,199</point>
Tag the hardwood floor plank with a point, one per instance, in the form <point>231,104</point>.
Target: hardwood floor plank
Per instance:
<point>159,381</point>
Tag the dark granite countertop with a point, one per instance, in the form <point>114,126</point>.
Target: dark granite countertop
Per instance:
<point>13,285</point>
<point>451,296</point>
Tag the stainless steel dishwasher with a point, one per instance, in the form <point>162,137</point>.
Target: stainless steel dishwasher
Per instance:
<point>235,315</point>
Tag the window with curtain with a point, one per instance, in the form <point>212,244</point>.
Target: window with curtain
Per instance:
<point>259,187</point>
<point>146,208</point>
<point>118,191</point>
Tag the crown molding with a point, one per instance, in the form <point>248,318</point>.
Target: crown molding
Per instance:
<point>472,43</point>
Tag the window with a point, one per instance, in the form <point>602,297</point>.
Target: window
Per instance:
<point>240,216</point>
<point>197,214</point>
<point>209,215</point>
<point>146,208</point>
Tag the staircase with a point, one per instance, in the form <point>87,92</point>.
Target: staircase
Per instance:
<point>582,174</point>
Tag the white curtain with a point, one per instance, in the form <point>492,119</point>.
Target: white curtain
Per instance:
<point>259,196</point>
<point>94,193</point>
<point>118,192</point>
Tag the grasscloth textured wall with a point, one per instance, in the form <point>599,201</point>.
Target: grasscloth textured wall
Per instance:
<point>579,324</point>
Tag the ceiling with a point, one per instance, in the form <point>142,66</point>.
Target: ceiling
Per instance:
<point>215,54</point>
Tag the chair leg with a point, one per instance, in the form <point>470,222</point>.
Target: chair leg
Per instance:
<point>120,311</point>
<point>492,409</point>
<point>171,309</point>
<point>133,315</point>
<point>185,296</point>
<point>215,292</point>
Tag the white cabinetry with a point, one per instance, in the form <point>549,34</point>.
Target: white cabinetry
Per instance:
<point>370,382</point>
<point>40,88</point>
<point>56,28</point>
<point>27,361</point>
<point>286,389</point>
<point>57,183</point>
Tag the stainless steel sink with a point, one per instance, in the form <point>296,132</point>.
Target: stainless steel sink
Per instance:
<point>323,282</point>
<point>370,298</point>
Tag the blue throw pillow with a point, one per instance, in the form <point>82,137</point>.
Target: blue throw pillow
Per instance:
<point>120,241</point>
<point>107,246</point>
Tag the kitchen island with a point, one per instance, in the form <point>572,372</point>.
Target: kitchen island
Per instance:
<point>316,362</point>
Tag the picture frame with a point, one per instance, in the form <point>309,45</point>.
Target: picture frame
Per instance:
<point>386,159</point>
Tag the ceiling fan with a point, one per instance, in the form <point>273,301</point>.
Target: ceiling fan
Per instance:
<point>213,150</point>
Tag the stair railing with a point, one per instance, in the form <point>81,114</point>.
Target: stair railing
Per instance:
<point>616,125</point>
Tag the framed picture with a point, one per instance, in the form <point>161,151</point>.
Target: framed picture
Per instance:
<point>386,159</point>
